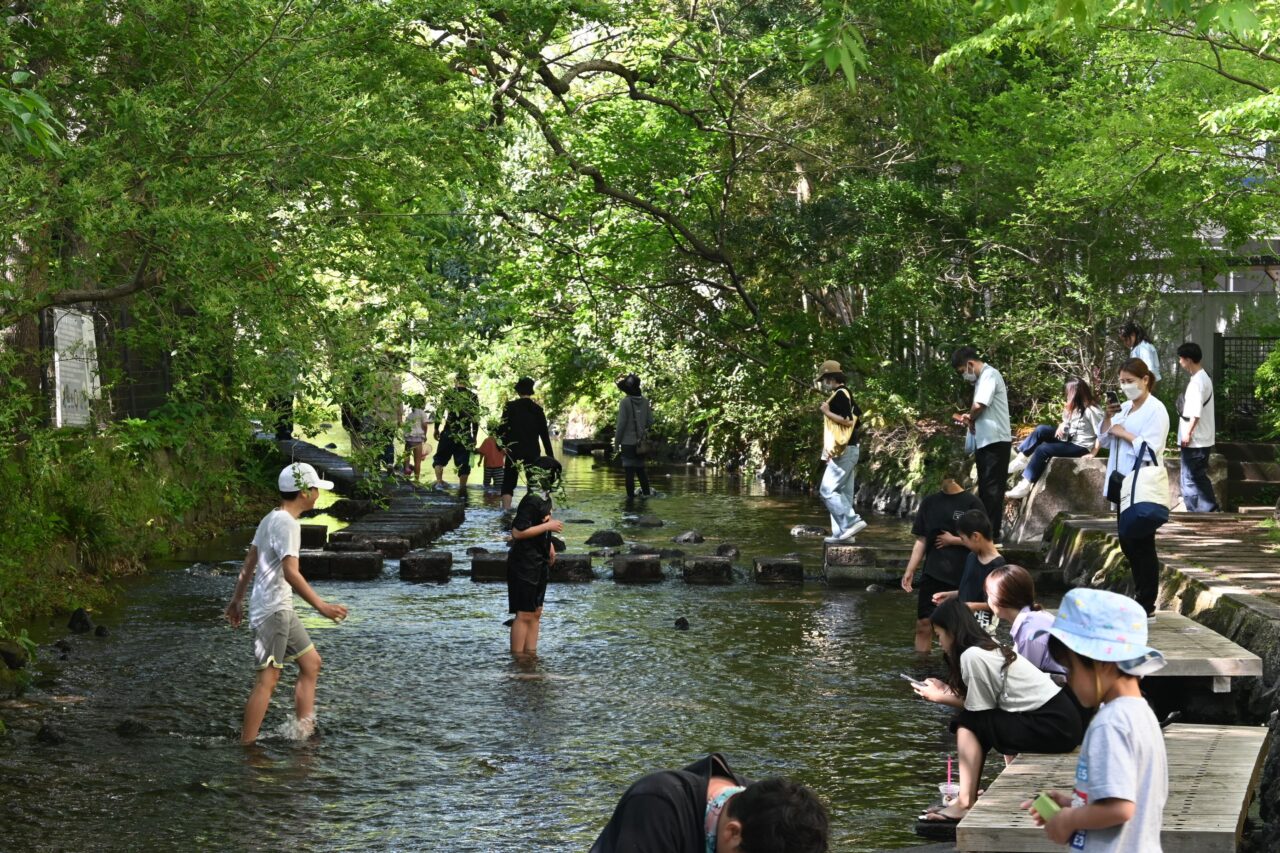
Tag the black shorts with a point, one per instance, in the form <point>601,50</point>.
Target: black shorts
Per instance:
<point>524,597</point>
<point>448,449</point>
<point>1053,727</point>
<point>928,587</point>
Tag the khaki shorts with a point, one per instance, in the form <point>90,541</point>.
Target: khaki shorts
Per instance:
<point>279,640</point>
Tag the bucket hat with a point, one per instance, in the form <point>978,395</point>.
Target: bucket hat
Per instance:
<point>1106,626</point>
<point>828,366</point>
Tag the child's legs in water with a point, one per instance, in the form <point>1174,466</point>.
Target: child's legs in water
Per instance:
<point>255,710</point>
<point>304,693</point>
<point>524,632</point>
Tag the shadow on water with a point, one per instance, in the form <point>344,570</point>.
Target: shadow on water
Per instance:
<point>432,738</point>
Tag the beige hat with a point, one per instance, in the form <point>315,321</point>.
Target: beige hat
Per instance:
<point>828,366</point>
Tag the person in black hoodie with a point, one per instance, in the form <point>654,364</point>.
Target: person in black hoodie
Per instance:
<point>706,807</point>
<point>523,425</point>
<point>532,554</point>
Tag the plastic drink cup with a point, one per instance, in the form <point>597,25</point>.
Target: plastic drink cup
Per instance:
<point>950,791</point>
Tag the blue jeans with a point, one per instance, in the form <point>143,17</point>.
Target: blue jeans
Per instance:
<point>1043,445</point>
<point>1197,488</point>
<point>837,490</point>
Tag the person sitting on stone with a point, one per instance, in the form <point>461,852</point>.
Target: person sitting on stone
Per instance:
<point>1076,436</point>
<point>708,807</point>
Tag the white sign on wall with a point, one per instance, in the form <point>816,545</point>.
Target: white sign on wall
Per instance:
<point>75,367</point>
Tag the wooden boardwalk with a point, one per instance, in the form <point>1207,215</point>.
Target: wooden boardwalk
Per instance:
<point>1213,771</point>
<point>1194,651</point>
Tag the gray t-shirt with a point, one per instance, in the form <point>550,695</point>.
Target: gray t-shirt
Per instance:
<point>279,535</point>
<point>993,424</point>
<point>1123,758</point>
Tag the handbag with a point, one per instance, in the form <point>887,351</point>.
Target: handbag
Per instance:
<point>643,445</point>
<point>1144,497</point>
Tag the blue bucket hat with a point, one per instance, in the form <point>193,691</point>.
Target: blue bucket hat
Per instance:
<point>1105,626</point>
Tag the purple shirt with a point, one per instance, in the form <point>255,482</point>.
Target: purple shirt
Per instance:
<point>1031,647</point>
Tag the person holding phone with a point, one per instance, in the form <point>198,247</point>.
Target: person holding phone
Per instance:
<point>1140,420</point>
<point>988,422</point>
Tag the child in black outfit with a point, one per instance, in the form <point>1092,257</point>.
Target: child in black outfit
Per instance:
<point>974,532</point>
<point>531,556</point>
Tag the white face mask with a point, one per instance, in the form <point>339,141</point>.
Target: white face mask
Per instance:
<point>970,376</point>
<point>1131,390</point>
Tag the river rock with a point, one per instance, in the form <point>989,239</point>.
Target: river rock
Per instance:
<point>689,537</point>
<point>50,734</point>
<point>14,655</point>
<point>580,521</point>
<point>874,587</point>
<point>707,570</point>
<point>476,549</point>
<point>644,549</point>
<point>648,521</point>
<point>807,530</point>
<point>132,727</point>
<point>101,631</point>
<point>777,570</point>
<point>682,624</point>
<point>331,446</point>
<point>637,568</point>
<point>79,623</point>
<point>605,538</point>
<point>572,568</point>
<point>349,509</point>
<point>436,566</point>
<point>489,568</point>
<point>727,550</point>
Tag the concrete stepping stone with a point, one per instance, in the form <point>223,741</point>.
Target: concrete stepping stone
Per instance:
<point>572,568</point>
<point>778,571</point>
<point>340,565</point>
<point>637,568</point>
<point>489,568</point>
<point>421,565</point>
<point>706,571</point>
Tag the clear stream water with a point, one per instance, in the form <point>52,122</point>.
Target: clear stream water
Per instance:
<point>431,738</point>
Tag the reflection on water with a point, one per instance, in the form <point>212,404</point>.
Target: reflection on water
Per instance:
<point>432,738</point>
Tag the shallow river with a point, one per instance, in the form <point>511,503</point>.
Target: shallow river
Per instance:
<point>432,739</point>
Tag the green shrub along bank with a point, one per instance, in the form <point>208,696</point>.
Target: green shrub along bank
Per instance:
<point>85,509</point>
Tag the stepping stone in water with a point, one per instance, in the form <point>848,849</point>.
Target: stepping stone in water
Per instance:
<point>489,568</point>
<point>707,570</point>
<point>572,568</point>
<point>637,568</point>
<point>605,538</point>
<point>422,565</point>
<point>690,537</point>
<point>778,570</point>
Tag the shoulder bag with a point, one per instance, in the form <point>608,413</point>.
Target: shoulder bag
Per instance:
<point>1144,497</point>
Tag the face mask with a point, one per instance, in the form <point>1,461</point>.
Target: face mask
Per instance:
<point>1131,390</point>
<point>714,807</point>
<point>970,376</point>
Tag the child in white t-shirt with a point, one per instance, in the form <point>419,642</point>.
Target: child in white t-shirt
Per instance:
<point>1122,776</point>
<point>278,635</point>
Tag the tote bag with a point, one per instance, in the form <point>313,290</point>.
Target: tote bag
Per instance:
<point>1144,497</point>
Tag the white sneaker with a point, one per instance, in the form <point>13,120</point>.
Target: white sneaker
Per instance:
<point>1019,491</point>
<point>1018,464</point>
<point>852,530</point>
<point>833,540</point>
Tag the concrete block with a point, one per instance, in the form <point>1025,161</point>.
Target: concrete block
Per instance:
<point>707,570</point>
<point>637,568</point>
<point>392,547</point>
<point>778,570</point>
<point>314,536</point>
<point>489,568</point>
<point>572,568</point>
<point>434,566</point>
<point>849,555</point>
<point>340,565</point>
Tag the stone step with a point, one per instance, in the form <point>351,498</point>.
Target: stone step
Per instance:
<point>637,568</point>
<point>435,566</point>
<point>1248,451</point>
<point>777,571</point>
<point>572,568</point>
<point>314,536</point>
<point>340,565</point>
<point>1252,470</point>
<point>489,568</point>
<point>706,571</point>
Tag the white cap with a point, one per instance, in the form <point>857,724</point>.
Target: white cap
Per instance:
<point>299,476</point>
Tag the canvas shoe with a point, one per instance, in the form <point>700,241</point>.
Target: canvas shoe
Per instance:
<point>852,530</point>
<point>1019,491</point>
<point>1018,464</point>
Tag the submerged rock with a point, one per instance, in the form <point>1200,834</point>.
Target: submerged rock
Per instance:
<point>648,521</point>
<point>606,538</point>
<point>50,734</point>
<point>874,587</point>
<point>132,727</point>
<point>80,623</point>
<point>476,549</point>
<point>101,631</point>
<point>580,521</point>
<point>727,550</point>
<point>682,624</point>
<point>689,537</point>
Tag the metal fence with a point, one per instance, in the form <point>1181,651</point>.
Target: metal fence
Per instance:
<point>1235,361</point>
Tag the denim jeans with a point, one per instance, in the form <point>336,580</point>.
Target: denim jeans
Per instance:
<point>1043,445</point>
<point>1197,489</point>
<point>837,490</point>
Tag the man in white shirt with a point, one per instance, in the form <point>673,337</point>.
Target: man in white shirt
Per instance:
<point>988,420</point>
<point>1136,339</point>
<point>1196,432</point>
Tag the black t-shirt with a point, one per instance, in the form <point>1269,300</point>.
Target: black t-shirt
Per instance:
<point>939,512</point>
<point>529,560</point>
<point>461,416</point>
<point>524,424</point>
<point>842,404</point>
<point>664,812</point>
<point>973,581</point>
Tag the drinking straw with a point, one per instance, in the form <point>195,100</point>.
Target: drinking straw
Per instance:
<point>948,769</point>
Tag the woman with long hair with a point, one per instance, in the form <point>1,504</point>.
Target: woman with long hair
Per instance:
<point>1075,436</point>
<point>1004,703</point>
<point>1011,595</point>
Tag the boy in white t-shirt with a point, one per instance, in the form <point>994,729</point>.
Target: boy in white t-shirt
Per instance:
<point>278,635</point>
<point>1196,432</point>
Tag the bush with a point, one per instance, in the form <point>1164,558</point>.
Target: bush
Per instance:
<point>1267,390</point>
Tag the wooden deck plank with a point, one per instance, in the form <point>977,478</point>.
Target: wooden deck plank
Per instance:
<point>1213,771</point>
